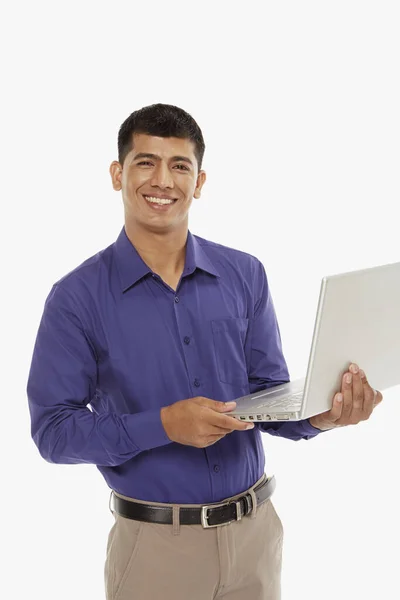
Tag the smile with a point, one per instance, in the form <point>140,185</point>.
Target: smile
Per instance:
<point>154,200</point>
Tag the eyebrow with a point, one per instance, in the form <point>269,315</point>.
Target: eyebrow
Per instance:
<point>156,157</point>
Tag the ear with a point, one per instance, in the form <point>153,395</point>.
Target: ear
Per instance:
<point>116,175</point>
<point>201,179</point>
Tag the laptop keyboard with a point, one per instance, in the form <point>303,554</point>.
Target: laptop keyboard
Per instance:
<point>292,401</point>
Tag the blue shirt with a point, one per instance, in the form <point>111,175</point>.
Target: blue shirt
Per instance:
<point>115,344</point>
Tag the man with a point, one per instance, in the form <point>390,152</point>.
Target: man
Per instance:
<point>157,332</point>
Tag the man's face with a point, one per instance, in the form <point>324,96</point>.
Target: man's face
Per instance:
<point>158,168</point>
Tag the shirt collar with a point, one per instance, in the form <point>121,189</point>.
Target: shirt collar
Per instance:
<point>132,267</point>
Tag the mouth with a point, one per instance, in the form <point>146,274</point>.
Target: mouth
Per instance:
<point>159,203</point>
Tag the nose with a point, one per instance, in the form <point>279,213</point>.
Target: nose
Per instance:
<point>162,177</point>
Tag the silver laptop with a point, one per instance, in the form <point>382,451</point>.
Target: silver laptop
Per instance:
<point>358,320</point>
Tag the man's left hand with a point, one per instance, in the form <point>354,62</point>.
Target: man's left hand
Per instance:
<point>353,404</point>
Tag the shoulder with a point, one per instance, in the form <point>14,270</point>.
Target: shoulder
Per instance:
<point>242,273</point>
<point>229,257</point>
<point>78,286</point>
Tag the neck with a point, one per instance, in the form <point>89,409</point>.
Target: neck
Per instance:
<point>162,252</point>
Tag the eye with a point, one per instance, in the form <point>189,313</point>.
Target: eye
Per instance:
<point>147,162</point>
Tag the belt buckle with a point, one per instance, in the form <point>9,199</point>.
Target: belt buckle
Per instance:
<point>204,515</point>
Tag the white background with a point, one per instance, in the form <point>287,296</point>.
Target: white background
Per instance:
<point>299,107</point>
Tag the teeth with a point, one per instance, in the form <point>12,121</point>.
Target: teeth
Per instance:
<point>158,200</point>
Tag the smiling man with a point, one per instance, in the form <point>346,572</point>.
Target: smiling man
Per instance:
<point>139,353</point>
<point>158,180</point>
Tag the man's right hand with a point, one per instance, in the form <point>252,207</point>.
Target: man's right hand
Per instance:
<point>200,422</point>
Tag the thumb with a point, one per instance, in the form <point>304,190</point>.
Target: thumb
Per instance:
<point>215,404</point>
<point>378,397</point>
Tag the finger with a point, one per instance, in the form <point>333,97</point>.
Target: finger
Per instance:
<point>358,394</point>
<point>369,395</point>
<point>334,415</point>
<point>235,424</point>
<point>224,422</point>
<point>214,438</point>
<point>215,405</point>
<point>377,395</point>
<point>347,391</point>
<point>219,430</point>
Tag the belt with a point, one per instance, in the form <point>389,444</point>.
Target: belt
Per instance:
<point>209,515</point>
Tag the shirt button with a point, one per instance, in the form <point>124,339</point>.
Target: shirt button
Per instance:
<point>196,383</point>
<point>187,340</point>
<point>216,468</point>
<point>176,299</point>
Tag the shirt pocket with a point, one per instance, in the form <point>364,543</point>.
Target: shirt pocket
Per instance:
<point>229,337</point>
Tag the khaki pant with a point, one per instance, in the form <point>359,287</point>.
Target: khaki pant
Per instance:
<point>238,561</point>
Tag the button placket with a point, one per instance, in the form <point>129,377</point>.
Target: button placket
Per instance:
<point>191,357</point>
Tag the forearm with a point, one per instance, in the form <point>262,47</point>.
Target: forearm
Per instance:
<point>292,430</point>
<point>76,436</point>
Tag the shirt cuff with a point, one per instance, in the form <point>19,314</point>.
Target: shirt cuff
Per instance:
<point>146,430</point>
<point>310,430</point>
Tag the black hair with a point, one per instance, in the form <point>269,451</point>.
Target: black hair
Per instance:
<point>161,120</point>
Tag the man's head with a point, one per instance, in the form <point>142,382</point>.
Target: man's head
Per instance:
<point>160,153</point>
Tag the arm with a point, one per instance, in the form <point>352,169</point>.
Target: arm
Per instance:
<point>267,366</point>
<point>62,381</point>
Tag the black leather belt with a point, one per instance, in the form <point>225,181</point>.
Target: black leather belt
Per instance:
<point>210,515</point>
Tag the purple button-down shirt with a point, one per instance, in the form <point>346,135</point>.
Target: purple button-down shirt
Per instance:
<point>115,344</point>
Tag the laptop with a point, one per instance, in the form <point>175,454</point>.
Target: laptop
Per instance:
<point>357,320</point>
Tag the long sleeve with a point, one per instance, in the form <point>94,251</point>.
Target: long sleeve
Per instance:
<point>62,381</point>
<point>267,363</point>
